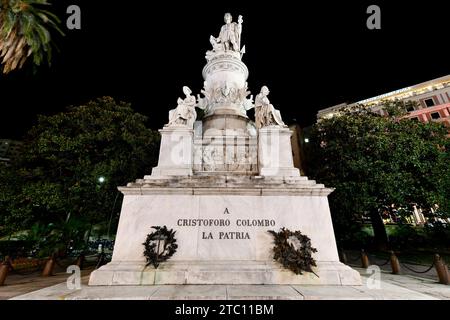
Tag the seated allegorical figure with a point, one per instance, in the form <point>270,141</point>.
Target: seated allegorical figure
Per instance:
<point>184,114</point>
<point>265,113</point>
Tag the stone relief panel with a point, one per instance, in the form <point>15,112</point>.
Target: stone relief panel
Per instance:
<point>231,155</point>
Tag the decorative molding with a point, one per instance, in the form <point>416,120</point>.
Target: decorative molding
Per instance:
<point>224,64</point>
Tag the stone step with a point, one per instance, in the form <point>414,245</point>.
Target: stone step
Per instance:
<point>224,181</point>
<point>221,272</point>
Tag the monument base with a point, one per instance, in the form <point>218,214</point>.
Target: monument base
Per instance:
<point>283,172</point>
<point>221,272</point>
<point>221,225</point>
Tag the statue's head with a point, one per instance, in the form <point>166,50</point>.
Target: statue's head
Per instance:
<point>228,18</point>
<point>187,91</point>
<point>264,90</point>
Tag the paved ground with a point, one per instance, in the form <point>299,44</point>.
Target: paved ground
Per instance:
<point>16,285</point>
<point>390,287</point>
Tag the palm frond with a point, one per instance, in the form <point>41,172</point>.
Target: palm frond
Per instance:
<point>25,32</point>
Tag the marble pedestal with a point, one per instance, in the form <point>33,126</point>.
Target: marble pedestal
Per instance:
<point>176,152</point>
<point>275,152</point>
<point>221,225</point>
<point>233,272</point>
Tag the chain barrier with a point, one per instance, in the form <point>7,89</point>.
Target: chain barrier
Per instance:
<point>384,263</point>
<point>403,264</point>
<point>358,258</point>
<point>410,269</point>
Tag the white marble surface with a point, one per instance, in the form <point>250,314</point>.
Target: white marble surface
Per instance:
<point>275,152</point>
<point>176,152</point>
<point>238,212</point>
<point>221,272</point>
<point>139,212</point>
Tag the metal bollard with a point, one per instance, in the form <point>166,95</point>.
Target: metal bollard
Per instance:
<point>441,270</point>
<point>395,264</point>
<point>343,256</point>
<point>49,266</point>
<point>4,270</point>
<point>364,259</point>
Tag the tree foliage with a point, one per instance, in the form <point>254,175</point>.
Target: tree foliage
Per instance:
<point>12,214</point>
<point>380,166</point>
<point>72,163</point>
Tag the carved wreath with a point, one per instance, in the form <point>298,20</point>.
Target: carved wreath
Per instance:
<point>293,250</point>
<point>159,246</point>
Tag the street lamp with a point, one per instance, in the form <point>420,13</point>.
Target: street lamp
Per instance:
<point>101,179</point>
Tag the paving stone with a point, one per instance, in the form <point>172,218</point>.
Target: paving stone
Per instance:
<point>262,292</point>
<point>330,293</point>
<point>114,293</point>
<point>190,292</point>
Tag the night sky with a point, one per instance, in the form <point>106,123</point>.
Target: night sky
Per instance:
<point>311,56</point>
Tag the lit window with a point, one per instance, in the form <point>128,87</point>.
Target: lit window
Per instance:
<point>429,102</point>
<point>435,115</point>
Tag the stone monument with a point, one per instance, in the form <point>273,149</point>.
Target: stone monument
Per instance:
<point>221,183</point>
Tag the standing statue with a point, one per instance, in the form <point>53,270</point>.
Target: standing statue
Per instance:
<point>265,113</point>
<point>230,35</point>
<point>184,114</point>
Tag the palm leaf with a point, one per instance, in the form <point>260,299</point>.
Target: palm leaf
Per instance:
<point>25,32</point>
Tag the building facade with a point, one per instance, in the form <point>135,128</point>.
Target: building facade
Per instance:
<point>432,99</point>
<point>432,104</point>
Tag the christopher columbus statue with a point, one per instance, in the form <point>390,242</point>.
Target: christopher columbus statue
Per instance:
<point>230,35</point>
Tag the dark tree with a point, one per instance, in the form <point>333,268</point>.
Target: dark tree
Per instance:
<point>380,166</point>
<point>72,163</point>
